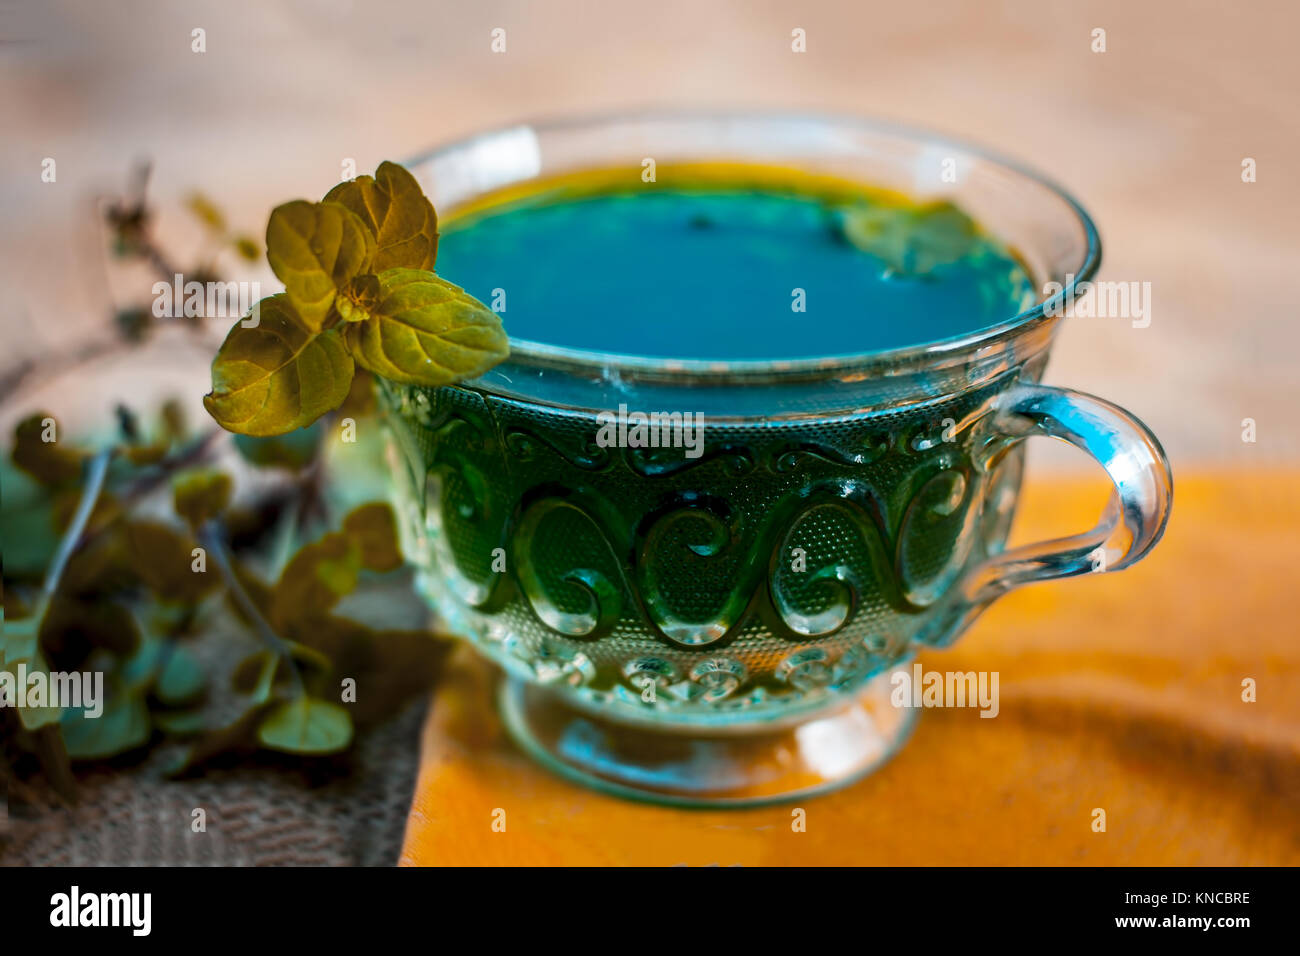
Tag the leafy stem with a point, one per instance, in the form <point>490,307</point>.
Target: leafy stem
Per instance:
<point>196,453</point>
<point>96,472</point>
<point>212,537</point>
<point>360,291</point>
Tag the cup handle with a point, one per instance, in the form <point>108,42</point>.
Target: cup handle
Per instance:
<point>1135,516</point>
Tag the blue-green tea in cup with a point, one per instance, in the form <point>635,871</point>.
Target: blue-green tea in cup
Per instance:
<point>759,437</point>
<point>722,262</point>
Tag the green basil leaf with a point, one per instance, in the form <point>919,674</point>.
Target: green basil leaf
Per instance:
<point>374,528</point>
<point>426,331</point>
<point>200,494</point>
<point>315,249</point>
<point>163,559</point>
<point>139,671</point>
<point>21,646</point>
<point>182,679</point>
<point>206,211</point>
<point>306,725</point>
<point>26,525</point>
<point>277,377</point>
<point>315,579</point>
<point>394,208</point>
<point>246,248</point>
<point>50,462</point>
<point>124,725</point>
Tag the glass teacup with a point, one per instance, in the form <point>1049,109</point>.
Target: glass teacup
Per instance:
<point>721,629</point>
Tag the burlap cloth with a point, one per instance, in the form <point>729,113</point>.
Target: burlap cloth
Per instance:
<point>259,812</point>
<point>258,816</point>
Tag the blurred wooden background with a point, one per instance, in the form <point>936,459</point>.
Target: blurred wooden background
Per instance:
<point>1150,135</point>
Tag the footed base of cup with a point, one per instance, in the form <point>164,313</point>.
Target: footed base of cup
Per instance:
<point>830,749</point>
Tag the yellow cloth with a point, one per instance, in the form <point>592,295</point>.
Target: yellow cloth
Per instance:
<point>1119,691</point>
